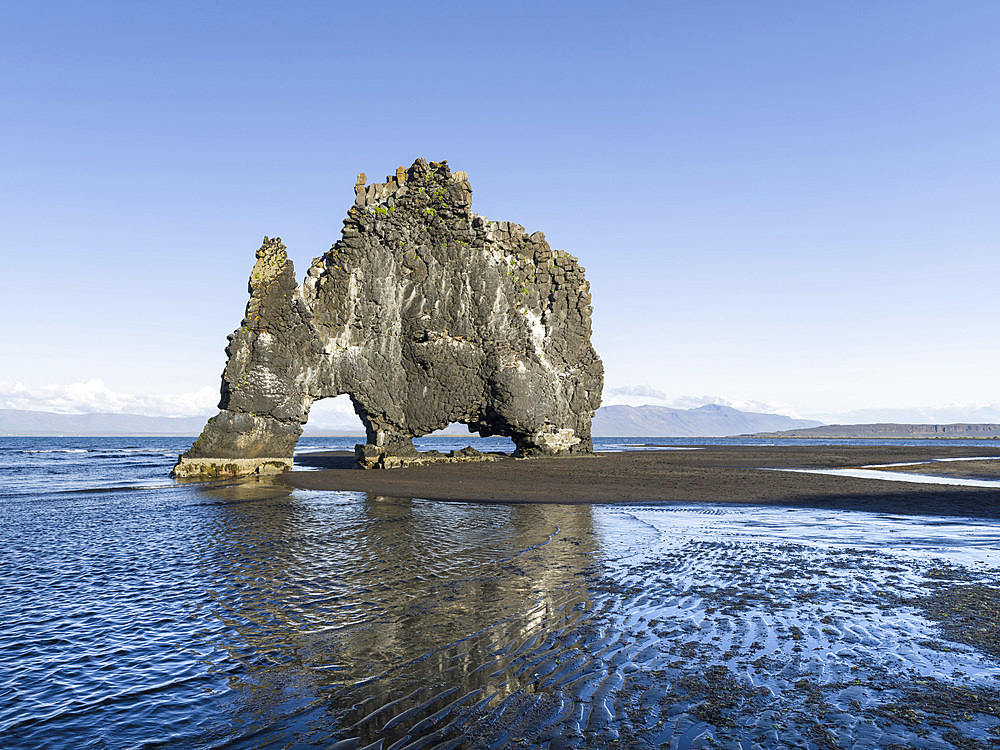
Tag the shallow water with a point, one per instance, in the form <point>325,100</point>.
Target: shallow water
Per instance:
<point>140,612</point>
<point>899,476</point>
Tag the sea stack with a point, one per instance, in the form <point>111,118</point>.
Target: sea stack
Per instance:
<point>425,314</point>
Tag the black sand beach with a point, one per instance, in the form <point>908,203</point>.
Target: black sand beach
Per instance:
<point>733,474</point>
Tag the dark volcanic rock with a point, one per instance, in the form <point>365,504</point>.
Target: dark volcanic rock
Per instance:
<point>426,314</point>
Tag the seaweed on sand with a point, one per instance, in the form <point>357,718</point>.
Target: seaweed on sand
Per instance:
<point>967,612</point>
<point>929,702</point>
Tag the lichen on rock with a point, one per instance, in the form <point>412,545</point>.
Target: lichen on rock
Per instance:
<point>425,314</point>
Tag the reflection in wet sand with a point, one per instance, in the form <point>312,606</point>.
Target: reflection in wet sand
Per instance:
<point>344,605</point>
<point>355,621</point>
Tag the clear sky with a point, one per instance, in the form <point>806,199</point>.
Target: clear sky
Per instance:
<point>792,202</point>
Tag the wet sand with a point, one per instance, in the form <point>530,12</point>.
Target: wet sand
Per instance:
<point>762,623</point>
<point>670,625</point>
<point>734,474</point>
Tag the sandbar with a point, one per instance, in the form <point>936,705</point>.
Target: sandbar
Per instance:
<point>729,474</point>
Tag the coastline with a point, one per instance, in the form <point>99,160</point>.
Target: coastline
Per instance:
<point>726,474</point>
<point>767,436</point>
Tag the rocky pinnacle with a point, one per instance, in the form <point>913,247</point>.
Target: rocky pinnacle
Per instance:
<point>425,314</point>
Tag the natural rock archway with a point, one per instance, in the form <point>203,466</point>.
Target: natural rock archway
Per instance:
<point>425,314</point>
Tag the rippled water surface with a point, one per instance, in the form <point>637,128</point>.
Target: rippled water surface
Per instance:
<point>141,612</point>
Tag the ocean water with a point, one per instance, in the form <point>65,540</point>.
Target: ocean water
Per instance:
<point>141,612</point>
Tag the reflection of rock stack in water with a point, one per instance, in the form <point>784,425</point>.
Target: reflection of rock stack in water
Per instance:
<point>427,315</point>
<point>361,604</point>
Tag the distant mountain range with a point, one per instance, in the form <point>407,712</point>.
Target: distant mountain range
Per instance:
<point>45,423</point>
<point>611,421</point>
<point>890,430</point>
<point>711,420</point>
<point>41,423</point>
<point>938,415</point>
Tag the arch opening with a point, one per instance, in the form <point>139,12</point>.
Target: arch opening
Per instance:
<point>459,435</point>
<point>335,414</point>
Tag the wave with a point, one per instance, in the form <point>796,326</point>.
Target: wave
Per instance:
<point>60,450</point>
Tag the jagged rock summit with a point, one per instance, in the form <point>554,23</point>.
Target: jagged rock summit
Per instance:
<point>425,314</point>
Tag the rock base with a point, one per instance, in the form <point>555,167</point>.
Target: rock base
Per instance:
<point>229,467</point>
<point>371,457</point>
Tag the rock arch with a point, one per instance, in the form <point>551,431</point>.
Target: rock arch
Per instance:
<point>425,314</point>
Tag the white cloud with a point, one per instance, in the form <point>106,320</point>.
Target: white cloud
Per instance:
<point>642,395</point>
<point>637,391</point>
<point>334,414</point>
<point>93,396</point>
<point>767,407</point>
<point>338,413</point>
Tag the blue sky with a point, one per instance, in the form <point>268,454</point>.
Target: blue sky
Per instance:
<point>780,202</point>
